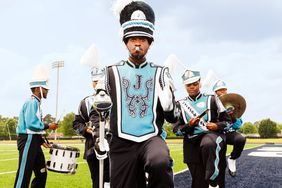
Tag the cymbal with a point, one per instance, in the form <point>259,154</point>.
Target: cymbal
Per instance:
<point>235,101</point>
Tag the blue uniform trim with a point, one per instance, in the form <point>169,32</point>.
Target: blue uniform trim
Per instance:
<point>38,83</point>
<point>218,148</point>
<point>237,124</point>
<point>139,23</point>
<point>23,162</point>
<point>164,133</point>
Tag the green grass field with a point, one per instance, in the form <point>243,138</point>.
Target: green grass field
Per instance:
<point>9,164</point>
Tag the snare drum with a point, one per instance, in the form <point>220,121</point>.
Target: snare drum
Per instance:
<point>63,159</point>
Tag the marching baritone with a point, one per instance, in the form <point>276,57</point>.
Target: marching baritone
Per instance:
<point>30,129</point>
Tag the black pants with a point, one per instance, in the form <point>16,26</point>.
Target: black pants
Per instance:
<point>130,161</point>
<point>31,158</point>
<point>211,168</point>
<point>238,141</point>
<point>93,164</point>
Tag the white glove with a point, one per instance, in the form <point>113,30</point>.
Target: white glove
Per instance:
<point>101,149</point>
<point>166,91</point>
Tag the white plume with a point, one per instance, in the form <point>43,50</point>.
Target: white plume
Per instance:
<point>91,57</point>
<point>41,73</point>
<point>119,5</point>
<point>210,79</point>
<point>171,62</point>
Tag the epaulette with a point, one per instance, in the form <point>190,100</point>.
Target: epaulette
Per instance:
<point>155,65</point>
<point>87,97</point>
<point>122,62</point>
<point>208,94</point>
<point>185,98</point>
<point>82,110</point>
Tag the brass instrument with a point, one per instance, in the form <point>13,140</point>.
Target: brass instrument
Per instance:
<point>234,103</point>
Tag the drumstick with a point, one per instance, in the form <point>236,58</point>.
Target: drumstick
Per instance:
<point>46,140</point>
<point>58,120</point>
<point>202,114</point>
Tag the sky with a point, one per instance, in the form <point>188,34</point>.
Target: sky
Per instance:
<point>240,40</point>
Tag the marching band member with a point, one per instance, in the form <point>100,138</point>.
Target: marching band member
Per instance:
<point>142,98</point>
<point>232,136</point>
<point>30,129</point>
<point>84,123</point>
<point>204,142</point>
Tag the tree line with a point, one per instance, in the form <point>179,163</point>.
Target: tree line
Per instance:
<point>265,128</point>
<point>8,126</point>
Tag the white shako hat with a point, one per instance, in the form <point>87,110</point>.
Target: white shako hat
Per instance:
<point>40,77</point>
<point>191,76</point>
<point>219,84</point>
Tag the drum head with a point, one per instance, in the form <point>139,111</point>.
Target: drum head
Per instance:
<point>62,147</point>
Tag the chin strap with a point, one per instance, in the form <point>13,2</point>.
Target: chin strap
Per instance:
<point>41,93</point>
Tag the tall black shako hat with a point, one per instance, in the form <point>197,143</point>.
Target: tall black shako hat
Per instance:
<point>137,18</point>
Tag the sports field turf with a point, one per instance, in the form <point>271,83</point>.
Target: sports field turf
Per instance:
<point>9,163</point>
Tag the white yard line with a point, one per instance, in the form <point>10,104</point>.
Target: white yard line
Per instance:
<point>175,150</point>
<point>14,153</point>
<point>81,162</point>
<point>9,159</point>
<point>10,172</point>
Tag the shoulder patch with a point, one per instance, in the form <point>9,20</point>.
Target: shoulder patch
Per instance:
<point>154,65</point>
<point>87,97</point>
<point>122,62</point>
<point>208,94</point>
<point>182,99</point>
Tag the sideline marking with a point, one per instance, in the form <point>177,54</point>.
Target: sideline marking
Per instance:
<point>277,149</point>
<point>267,152</point>
<point>186,169</point>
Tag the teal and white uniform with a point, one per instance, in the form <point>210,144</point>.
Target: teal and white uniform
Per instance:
<point>30,118</point>
<point>204,150</point>
<point>31,158</point>
<point>141,103</point>
<point>136,92</point>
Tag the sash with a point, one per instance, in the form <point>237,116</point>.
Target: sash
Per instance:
<point>192,113</point>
